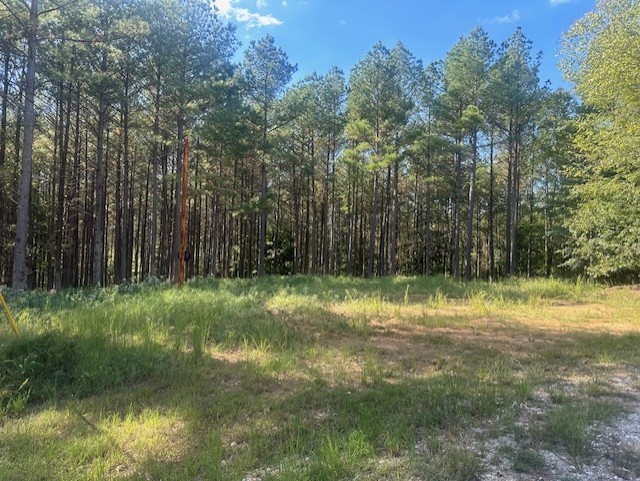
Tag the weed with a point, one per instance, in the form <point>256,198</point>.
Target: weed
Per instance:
<point>527,460</point>
<point>522,459</point>
<point>559,395</point>
<point>599,388</point>
<point>34,368</point>
<point>480,302</point>
<point>438,300</point>
<point>523,390</point>
<point>569,426</point>
<point>445,462</point>
<point>372,370</point>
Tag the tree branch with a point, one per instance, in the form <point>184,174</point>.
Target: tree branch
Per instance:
<point>13,13</point>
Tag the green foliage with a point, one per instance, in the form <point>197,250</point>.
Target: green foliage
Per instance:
<point>381,99</point>
<point>599,58</point>
<point>265,73</point>
<point>465,80</point>
<point>56,365</point>
<point>605,229</point>
<point>283,180</point>
<point>522,459</point>
<point>36,368</point>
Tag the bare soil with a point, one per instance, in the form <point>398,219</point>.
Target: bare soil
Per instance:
<point>615,449</point>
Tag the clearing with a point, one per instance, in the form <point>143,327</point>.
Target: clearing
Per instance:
<point>307,378</point>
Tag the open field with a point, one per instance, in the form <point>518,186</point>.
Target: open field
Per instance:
<point>323,379</point>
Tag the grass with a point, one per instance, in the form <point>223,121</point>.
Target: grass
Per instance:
<point>568,427</point>
<point>308,378</point>
<point>525,460</point>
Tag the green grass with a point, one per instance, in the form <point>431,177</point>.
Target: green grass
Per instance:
<point>569,427</point>
<point>307,378</point>
<point>523,459</point>
<point>447,462</point>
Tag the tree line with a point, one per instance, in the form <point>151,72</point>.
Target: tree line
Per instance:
<point>467,166</point>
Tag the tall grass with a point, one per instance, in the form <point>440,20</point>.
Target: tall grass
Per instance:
<point>301,378</point>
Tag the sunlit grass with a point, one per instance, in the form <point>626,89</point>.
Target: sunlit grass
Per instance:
<point>303,378</point>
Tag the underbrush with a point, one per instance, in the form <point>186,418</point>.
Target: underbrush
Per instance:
<point>51,366</point>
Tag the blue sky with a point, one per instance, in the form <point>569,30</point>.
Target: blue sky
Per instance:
<point>318,34</point>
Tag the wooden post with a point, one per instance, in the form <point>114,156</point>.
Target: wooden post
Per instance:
<point>183,213</point>
<point>14,326</point>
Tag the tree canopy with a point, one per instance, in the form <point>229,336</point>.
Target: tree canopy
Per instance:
<point>465,166</point>
<point>600,56</point>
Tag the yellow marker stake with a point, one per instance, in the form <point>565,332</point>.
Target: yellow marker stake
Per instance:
<point>14,326</point>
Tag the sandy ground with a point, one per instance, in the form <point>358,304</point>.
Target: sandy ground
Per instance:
<point>615,448</point>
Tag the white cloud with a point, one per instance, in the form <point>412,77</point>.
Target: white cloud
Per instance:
<point>228,9</point>
<point>261,3</point>
<point>253,19</point>
<point>223,6</point>
<point>284,3</point>
<point>513,17</point>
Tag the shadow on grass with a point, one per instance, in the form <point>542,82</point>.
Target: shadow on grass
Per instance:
<point>252,421</point>
<point>221,411</point>
<point>230,418</point>
<point>143,371</point>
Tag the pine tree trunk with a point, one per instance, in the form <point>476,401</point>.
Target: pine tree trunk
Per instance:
<point>351,202</point>
<point>155,153</point>
<point>70,271</point>
<point>324,216</point>
<point>373,224</point>
<point>492,260</point>
<point>334,251</point>
<point>165,217</point>
<point>62,180</point>
<point>4,218</point>
<point>383,244</point>
<point>531,207</point>
<point>144,247</point>
<point>125,246</point>
<point>118,264</point>
<point>395,218</point>
<point>20,274</point>
<point>427,215</point>
<point>52,201</point>
<point>296,223</point>
<point>455,234</point>
<point>262,228</point>
<point>177,208</point>
<point>314,215</point>
<point>472,200</point>
<point>100,204</point>
<point>548,251</point>
<point>513,234</point>
<point>306,231</point>
<point>88,221</point>
<point>5,106</point>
